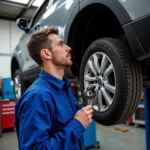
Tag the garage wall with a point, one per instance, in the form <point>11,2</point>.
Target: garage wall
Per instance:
<point>9,37</point>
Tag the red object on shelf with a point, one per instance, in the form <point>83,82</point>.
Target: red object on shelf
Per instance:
<point>129,121</point>
<point>7,114</point>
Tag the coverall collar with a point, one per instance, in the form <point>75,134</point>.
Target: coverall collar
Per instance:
<point>55,81</point>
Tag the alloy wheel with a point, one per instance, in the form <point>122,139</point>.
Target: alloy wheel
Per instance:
<point>100,80</point>
<point>17,86</point>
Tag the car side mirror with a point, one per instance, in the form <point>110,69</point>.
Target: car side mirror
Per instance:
<point>23,24</point>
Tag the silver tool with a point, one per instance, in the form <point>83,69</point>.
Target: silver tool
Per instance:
<point>90,98</point>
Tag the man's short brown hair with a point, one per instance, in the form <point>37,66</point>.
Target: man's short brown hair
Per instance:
<point>39,40</point>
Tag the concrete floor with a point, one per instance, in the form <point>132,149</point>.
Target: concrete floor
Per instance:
<point>110,139</point>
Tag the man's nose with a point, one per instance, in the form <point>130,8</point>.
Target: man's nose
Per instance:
<point>68,48</point>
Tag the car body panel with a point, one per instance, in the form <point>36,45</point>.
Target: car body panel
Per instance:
<point>27,60</point>
<point>136,8</point>
<point>138,35</point>
<point>52,16</point>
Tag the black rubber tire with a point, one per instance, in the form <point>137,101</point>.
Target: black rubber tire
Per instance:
<point>129,80</point>
<point>23,84</point>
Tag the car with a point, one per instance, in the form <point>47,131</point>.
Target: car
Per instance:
<point>110,52</point>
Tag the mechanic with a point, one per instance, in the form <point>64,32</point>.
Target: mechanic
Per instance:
<point>48,116</point>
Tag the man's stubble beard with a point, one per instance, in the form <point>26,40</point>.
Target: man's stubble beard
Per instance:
<point>70,64</point>
<point>62,63</point>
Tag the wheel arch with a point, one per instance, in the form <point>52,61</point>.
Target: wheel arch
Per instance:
<point>14,65</point>
<point>83,29</point>
<point>116,7</point>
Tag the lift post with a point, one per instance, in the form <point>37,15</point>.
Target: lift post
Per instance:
<point>147,116</point>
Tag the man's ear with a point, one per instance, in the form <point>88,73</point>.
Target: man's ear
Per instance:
<point>45,53</point>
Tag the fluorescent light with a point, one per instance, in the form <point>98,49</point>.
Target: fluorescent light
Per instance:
<point>37,3</point>
<point>20,1</point>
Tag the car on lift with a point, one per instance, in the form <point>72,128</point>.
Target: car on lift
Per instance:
<point>110,51</point>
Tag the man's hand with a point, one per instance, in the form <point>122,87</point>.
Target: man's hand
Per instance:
<point>84,115</point>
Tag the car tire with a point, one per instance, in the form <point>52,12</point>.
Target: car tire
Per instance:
<point>19,84</point>
<point>114,77</point>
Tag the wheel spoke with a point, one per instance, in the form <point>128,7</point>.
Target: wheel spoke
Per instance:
<point>17,95</point>
<point>109,87</point>
<point>91,86</point>
<point>16,81</point>
<point>107,97</point>
<point>16,89</point>
<point>96,63</point>
<point>19,92</point>
<point>89,78</point>
<point>90,64</point>
<point>108,71</point>
<point>104,63</point>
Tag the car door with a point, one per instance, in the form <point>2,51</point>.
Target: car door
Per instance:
<point>58,14</point>
<point>23,51</point>
<point>49,16</point>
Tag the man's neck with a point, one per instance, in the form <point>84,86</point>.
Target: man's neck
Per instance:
<point>56,71</point>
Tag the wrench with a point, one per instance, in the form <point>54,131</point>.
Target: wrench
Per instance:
<point>90,98</point>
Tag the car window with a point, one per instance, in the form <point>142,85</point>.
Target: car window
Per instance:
<point>54,1</point>
<point>38,14</point>
<point>48,7</point>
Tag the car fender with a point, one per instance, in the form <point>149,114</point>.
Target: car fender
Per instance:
<point>136,8</point>
<point>19,61</point>
<point>113,5</point>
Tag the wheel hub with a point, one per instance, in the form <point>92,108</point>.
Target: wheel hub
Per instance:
<point>100,81</point>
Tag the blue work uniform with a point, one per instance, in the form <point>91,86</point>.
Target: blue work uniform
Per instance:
<point>44,116</point>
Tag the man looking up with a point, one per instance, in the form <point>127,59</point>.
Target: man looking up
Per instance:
<point>47,116</point>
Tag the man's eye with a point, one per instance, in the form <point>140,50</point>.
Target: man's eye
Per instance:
<point>60,44</point>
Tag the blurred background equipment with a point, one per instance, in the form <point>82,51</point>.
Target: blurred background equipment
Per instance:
<point>7,89</point>
<point>7,104</point>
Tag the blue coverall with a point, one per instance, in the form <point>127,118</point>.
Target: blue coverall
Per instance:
<point>44,116</point>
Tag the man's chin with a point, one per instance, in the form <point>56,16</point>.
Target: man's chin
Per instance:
<point>69,64</point>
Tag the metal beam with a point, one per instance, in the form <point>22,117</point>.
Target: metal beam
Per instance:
<point>14,4</point>
<point>30,3</point>
<point>7,18</point>
<point>24,11</point>
<point>5,54</point>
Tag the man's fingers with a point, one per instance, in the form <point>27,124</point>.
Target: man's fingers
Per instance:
<point>90,116</point>
<point>87,107</point>
<point>89,111</point>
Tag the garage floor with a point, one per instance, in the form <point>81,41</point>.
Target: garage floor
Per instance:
<point>120,137</point>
